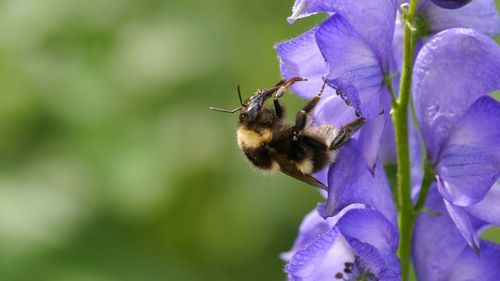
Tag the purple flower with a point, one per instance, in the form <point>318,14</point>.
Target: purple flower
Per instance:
<point>349,183</point>
<point>356,243</point>
<point>480,15</point>
<point>460,124</point>
<point>352,50</point>
<point>440,253</point>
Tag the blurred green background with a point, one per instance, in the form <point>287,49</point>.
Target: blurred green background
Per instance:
<point>112,167</point>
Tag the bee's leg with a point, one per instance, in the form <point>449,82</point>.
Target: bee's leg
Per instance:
<point>278,108</point>
<point>284,85</point>
<point>346,132</point>
<point>279,83</point>
<point>277,105</point>
<point>301,119</point>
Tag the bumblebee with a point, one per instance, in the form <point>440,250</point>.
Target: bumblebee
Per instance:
<point>298,150</point>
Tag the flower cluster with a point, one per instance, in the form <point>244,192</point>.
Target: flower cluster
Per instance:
<point>455,131</point>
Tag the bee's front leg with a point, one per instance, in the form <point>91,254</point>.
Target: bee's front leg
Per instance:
<point>279,83</point>
<point>278,108</point>
<point>285,85</point>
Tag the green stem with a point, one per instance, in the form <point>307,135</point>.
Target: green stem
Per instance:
<point>400,119</point>
<point>424,190</point>
<point>388,83</point>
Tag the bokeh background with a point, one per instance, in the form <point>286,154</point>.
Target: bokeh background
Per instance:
<point>111,165</point>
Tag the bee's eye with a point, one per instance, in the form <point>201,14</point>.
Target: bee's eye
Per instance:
<point>243,116</point>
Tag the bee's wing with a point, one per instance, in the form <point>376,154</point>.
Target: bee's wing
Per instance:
<point>291,170</point>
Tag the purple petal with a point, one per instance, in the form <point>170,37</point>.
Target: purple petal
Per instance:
<point>487,209</point>
<point>374,239</point>
<point>351,182</point>
<point>369,226</point>
<point>469,266</point>
<point>388,144</point>
<point>437,243</point>
<point>463,223</point>
<point>354,68</point>
<point>300,56</point>
<point>369,139</point>
<point>451,72</point>
<point>305,8</point>
<point>333,110</point>
<point>416,159</point>
<point>321,259</point>
<point>480,15</point>
<point>373,19</point>
<point>312,226</point>
<point>470,161</point>
<point>397,42</point>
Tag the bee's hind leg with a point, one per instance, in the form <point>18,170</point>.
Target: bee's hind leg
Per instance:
<point>346,132</point>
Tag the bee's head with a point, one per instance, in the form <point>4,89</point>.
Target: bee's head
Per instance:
<point>251,108</point>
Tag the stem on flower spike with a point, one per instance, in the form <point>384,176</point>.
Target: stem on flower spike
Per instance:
<point>400,119</point>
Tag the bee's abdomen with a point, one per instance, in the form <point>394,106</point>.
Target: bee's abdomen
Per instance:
<point>312,154</point>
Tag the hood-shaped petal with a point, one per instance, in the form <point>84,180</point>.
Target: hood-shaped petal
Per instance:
<point>470,161</point>
<point>301,57</point>
<point>373,19</point>
<point>353,67</point>
<point>351,182</point>
<point>480,15</point>
<point>356,73</point>
<point>451,71</point>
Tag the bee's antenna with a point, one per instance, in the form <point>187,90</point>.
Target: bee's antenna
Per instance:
<point>239,94</point>
<point>225,110</point>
